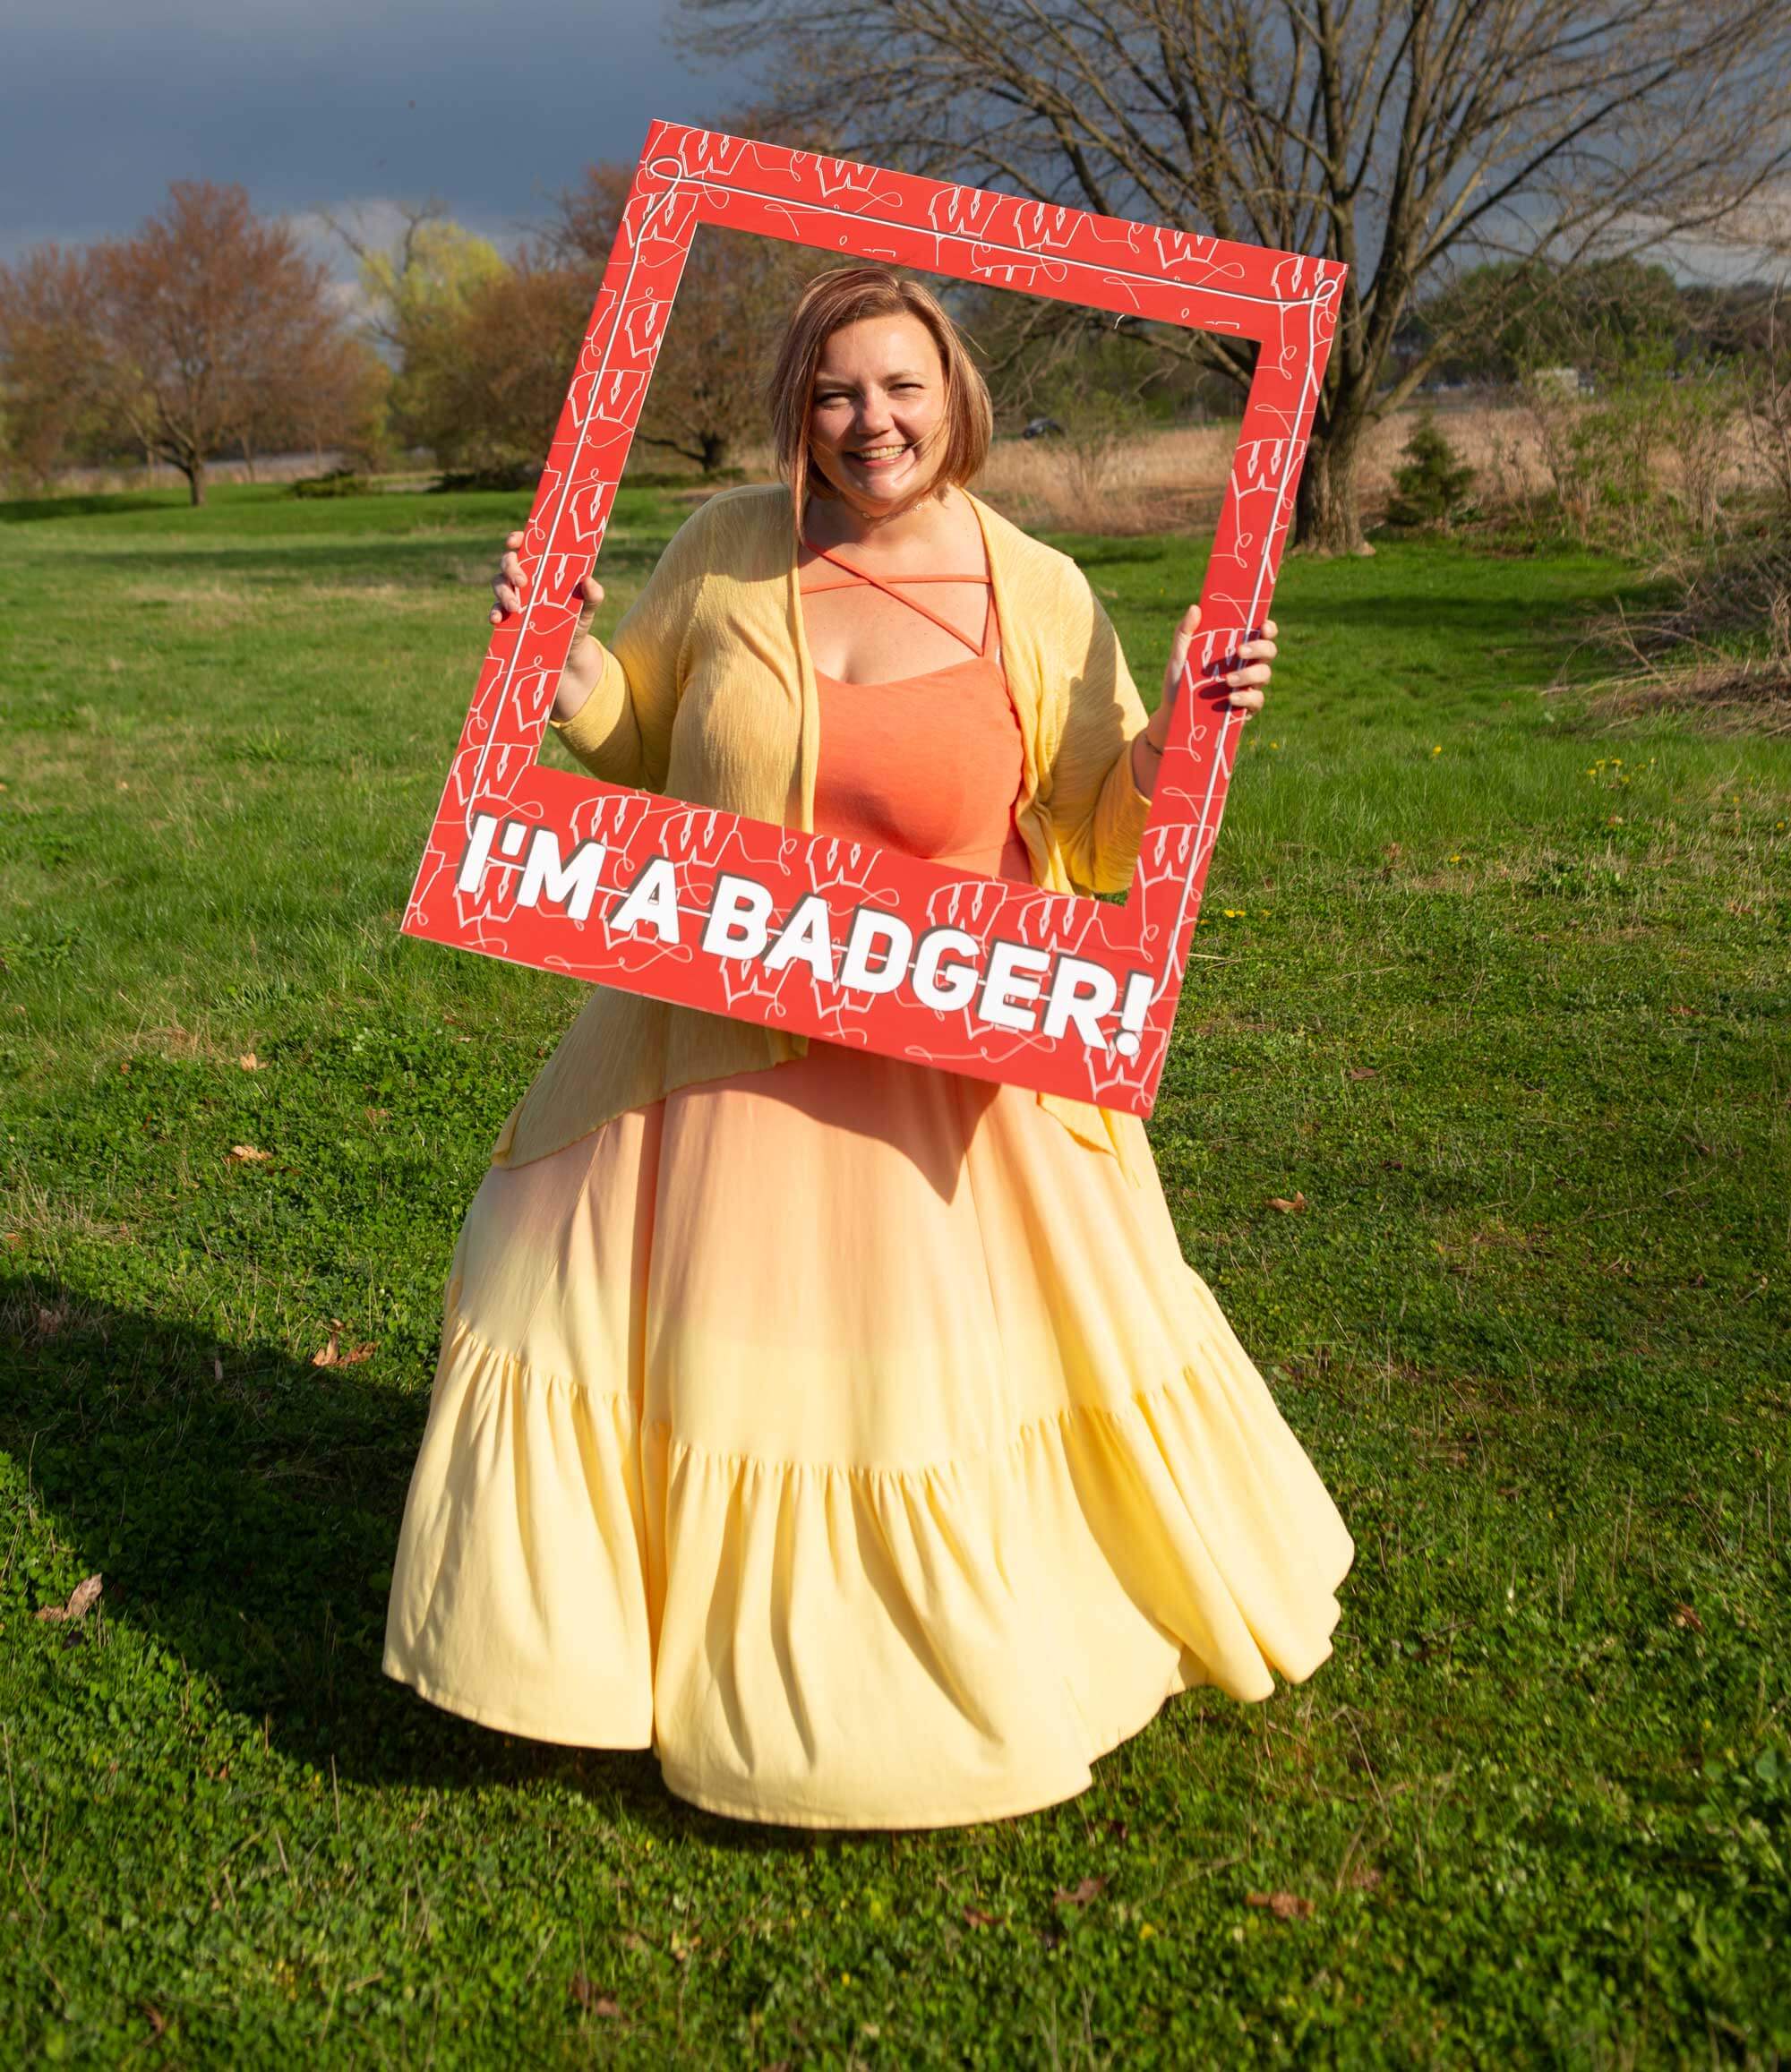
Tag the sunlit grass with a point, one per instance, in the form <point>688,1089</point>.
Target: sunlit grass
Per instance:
<point>1499,995</point>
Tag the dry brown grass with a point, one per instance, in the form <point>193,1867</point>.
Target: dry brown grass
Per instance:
<point>1725,696</point>
<point>1721,655</point>
<point>1172,481</point>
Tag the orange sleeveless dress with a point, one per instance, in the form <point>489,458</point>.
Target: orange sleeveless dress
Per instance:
<point>851,1433</point>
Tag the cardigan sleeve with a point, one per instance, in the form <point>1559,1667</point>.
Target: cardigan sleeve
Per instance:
<point>622,733</point>
<point>1097,811</point>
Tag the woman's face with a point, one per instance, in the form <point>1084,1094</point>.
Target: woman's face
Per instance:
<point>876,413</point>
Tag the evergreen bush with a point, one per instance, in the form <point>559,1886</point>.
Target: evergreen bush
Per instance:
<point>1431,488</point>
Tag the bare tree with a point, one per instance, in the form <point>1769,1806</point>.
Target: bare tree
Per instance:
<point>52,365</point>
<point>215,327</point>
<point>1404,136</point>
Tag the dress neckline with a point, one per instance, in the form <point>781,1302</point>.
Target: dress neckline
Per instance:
<point>984,652</point>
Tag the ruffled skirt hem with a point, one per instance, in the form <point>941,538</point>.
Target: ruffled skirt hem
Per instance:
<point>812,1644</point>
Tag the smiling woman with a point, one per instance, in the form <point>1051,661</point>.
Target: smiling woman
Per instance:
<point>852,1433</point>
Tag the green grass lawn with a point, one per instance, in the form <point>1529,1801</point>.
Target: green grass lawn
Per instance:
<point>1503,994</point>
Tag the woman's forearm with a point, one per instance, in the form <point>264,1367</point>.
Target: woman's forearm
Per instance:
<point>1147,757</point>
<point>601,728</point>
<point>583,672</point>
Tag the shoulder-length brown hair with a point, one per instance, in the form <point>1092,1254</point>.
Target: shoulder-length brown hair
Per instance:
<point>843,297</point>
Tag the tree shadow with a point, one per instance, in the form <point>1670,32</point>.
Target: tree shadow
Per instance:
<point>243,1508</point>
<point>100,503</point>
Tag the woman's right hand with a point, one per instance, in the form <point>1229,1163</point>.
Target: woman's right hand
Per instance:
<point>585,661</point>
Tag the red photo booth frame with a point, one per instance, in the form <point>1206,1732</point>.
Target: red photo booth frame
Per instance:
<point>816,934</point>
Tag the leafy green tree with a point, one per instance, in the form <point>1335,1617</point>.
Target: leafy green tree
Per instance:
<point>1509,319</point>
<point>419,292</point>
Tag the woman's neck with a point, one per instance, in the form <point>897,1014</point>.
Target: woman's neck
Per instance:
<point>830,521</point>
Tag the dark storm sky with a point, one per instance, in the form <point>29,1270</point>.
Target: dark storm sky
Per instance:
<point>326,104</point>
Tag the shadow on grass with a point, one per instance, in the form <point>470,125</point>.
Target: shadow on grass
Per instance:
<point>370,563</point>
<point>243,1509</point>
<point>120,503</point>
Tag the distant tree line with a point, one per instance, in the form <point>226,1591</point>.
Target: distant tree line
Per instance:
<point>208,332</point>
<point>1602,317</point>
<point>1495,175</point>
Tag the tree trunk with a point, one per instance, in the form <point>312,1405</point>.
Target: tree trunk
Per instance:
<point>1328,515</point>
<point>716,445</point>
<point>194,472</point>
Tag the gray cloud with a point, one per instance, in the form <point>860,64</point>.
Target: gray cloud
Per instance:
<point>325,104</point>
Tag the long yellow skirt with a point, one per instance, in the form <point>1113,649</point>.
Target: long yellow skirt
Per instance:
<point>859,1440</point>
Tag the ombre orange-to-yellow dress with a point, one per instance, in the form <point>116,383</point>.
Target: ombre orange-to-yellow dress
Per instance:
<point>850,1433</point>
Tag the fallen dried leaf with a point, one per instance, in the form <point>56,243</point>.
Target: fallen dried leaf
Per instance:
<point>1287,1208</point>
<point>14,1238</point>
<point>1364,1072</point>
<point>332,1352</point>
<point>334,1355</point>
<point>1090,1888</point>
<point>1284,1905</point>
<point>125,1065</point>
<point>581,1990</point>
<point>154,2017</point>
<point>974,1917</point>
<point>1365,1878</point>
<point>1683,1616</point>
<point>633,1940</point>
<point>250,1062</point>
<point>246,1155</point>
<point>216,1368</point>
<point>80,1601</point>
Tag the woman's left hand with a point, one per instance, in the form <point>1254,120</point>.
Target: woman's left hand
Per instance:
<point>1248,684</point>
<point>1249,681</point>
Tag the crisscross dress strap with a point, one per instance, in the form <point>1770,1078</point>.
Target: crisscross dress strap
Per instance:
<point>914,603</point>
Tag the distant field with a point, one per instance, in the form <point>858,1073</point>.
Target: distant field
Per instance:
<point>1502,993</point>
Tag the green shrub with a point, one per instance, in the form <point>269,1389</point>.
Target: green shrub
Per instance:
<point>339,482</point>
<point>1431,488</point>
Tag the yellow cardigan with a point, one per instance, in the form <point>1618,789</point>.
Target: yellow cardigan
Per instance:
<point>707,694</point>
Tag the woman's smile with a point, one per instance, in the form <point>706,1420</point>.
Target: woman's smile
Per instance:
<point>881,461</point>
